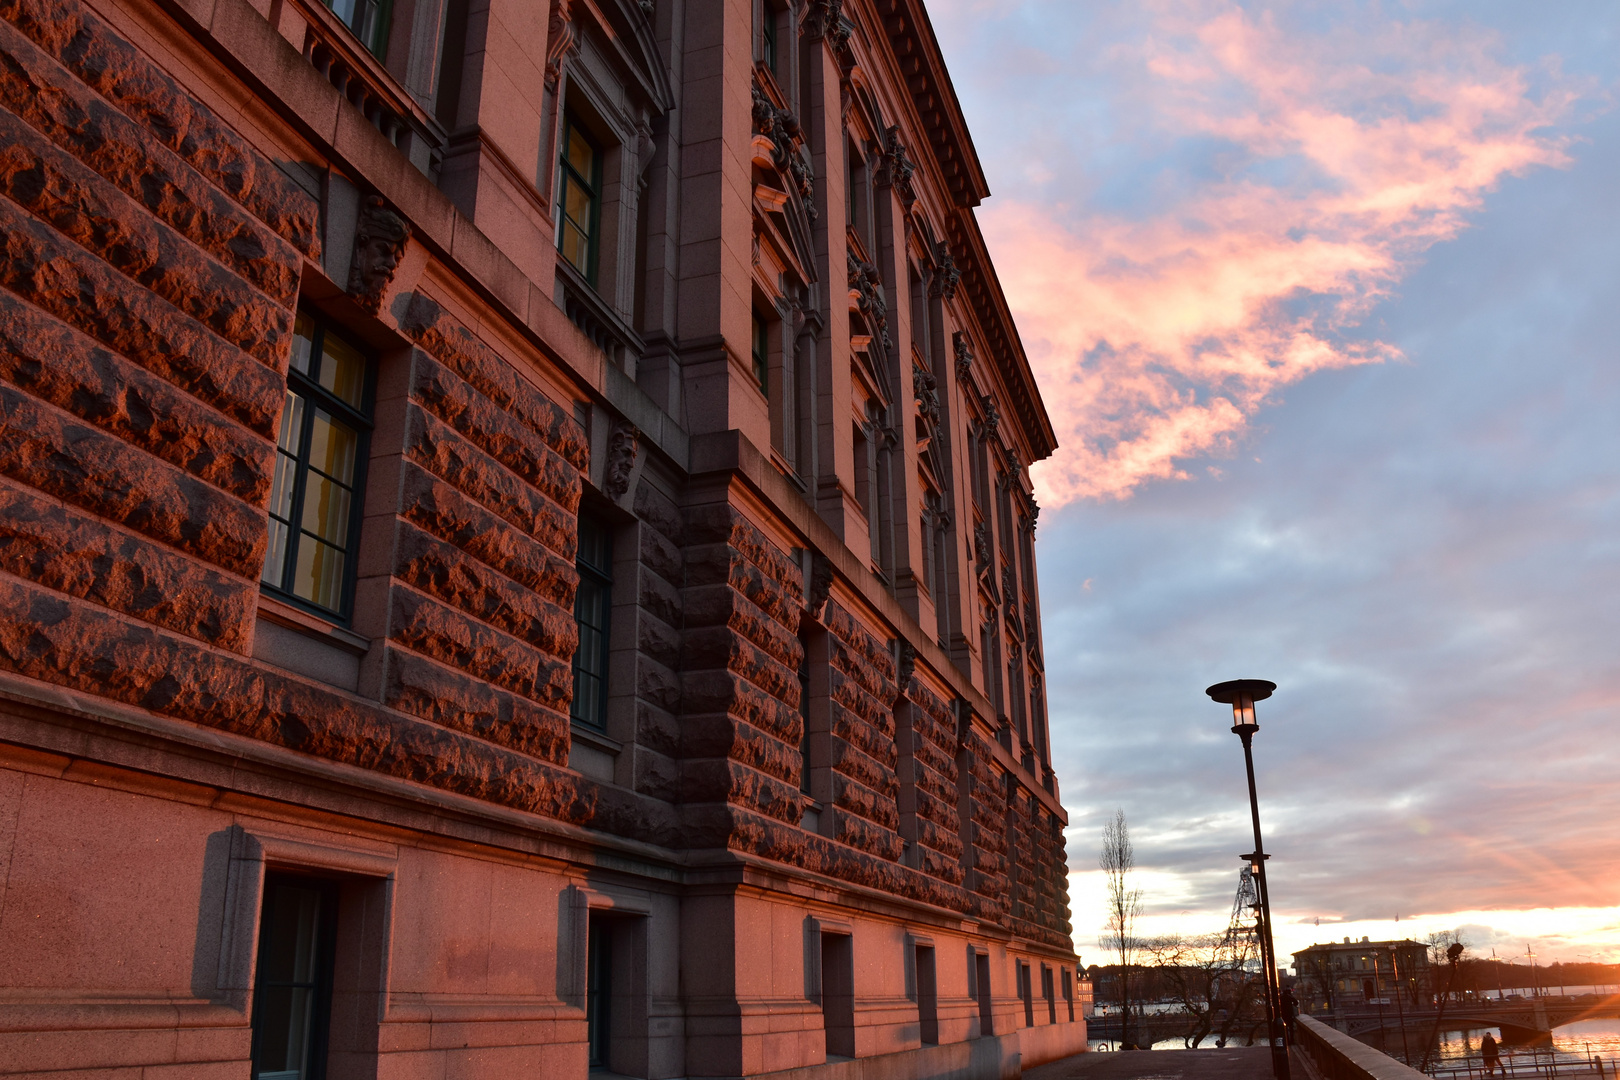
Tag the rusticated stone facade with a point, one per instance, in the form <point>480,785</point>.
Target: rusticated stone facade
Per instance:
<point>516,549</point>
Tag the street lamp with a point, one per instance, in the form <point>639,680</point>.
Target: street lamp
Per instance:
<point>1241,694</point>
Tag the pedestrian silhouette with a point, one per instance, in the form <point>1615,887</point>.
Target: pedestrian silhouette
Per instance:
<point>1492,1057</point>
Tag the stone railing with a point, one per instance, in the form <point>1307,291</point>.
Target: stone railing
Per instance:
<point>349,66</point>
<point>1337,1056</point>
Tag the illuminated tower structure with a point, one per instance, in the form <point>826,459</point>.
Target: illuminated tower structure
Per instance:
<point>516,548</point>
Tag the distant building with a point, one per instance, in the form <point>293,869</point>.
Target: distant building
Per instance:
<point>1359,974</point>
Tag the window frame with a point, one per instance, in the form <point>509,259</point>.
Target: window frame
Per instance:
<point>362,420</point>
<point>592,185</point>
<point>378,45</point>
<point>325,945</point>
<point>600,577</point>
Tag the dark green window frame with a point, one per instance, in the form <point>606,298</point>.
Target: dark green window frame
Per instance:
<point>368,19</point>
<point>769,15</point>
<point>326,417</point>
<point>593,604</point>
<point>576,238</point>
<point>761,348</point>
<point>292,979</point>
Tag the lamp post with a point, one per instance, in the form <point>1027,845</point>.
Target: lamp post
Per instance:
<point>1241,694</point>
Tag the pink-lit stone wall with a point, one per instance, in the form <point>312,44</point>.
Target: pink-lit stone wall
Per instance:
<point>170,186</point>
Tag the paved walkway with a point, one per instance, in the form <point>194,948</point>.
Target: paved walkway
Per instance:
<point>1233,1063</point>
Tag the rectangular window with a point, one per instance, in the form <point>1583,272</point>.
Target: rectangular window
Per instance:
<point>579,198</point>
<point>599,990</point>
<point>762,353</point>
<point>981,991</point>
<point>927,996</point>
<point>838,994</point>
<point>1027,993</point>
<point>292,984</point>
<point>367,18</point>
<point>1068,992</point>
<point>592,602</point>
<point>320,465</point>
<point>1048,993</point>
<point>768,36</point>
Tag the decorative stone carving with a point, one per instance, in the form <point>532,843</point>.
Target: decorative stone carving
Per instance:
<point>899,166</point>
<point>946,275</point>
<point>821,576</point>
<point>379,244</point>
<point>926,391</point>
<point>560,36</point>
<point>906,666</point>
<point>623,441</point>
<point>981,544</point>
<point>826,19</point>
<point>992,417</point>
<point>867,286</point>
<point>787,137</point>
<point>964,357</point>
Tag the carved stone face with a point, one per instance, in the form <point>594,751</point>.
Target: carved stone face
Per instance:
<point>379,244</point>
<point>377,258</point>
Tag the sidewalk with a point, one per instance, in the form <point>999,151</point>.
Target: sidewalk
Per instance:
<point>1233,1063</point>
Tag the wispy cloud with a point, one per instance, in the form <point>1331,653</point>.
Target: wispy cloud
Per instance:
<point>1334,159</point>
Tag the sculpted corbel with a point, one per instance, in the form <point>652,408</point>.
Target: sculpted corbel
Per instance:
<point>379,244</point>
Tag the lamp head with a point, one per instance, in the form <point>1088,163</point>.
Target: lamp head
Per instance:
<point>1241,694</point>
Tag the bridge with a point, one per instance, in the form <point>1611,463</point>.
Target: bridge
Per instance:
<point>1524,1020</point>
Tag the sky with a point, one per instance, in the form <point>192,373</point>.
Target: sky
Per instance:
<point>1324,300</point>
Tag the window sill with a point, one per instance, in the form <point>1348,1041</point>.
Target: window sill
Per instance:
<point>301,642</point>
<point>595,739</point>
<point>311,625</point>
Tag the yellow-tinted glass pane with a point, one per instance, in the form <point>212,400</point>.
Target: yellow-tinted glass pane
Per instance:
<point>577,205</point>
<point>326,510</point>
<point>332,448</point>
<point>580,154</point>
<point>292,423</point>
<point>303,342</point>
<point>573,246</point>
<point>319,577</point>
<point>343,370</point>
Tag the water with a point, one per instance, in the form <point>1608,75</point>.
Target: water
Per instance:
<point>1579,1041</point>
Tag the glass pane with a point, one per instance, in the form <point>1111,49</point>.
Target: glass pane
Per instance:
<point>573,246</point>
<point>344,9</point>
<point>303,342</point>
<point>343,370</point>
<point>318,577</point>
<point>581,155</point>
<point>333,447</point>
<point>577,204</point>
<point>275,554</point>
<point>326,509</point>
<point>595,546</point>
<point>286,983</point>
<point>281,488</point>
<point>292,423</point>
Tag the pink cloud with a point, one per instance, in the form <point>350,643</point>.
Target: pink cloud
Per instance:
<point>1157,337</point>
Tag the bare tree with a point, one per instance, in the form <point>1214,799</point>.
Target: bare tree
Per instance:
<point>1118,859</point>
<point>1213,978</point>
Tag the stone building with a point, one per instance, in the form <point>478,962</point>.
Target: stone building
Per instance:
<point>1360,974</point>
<point>516,549</point>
